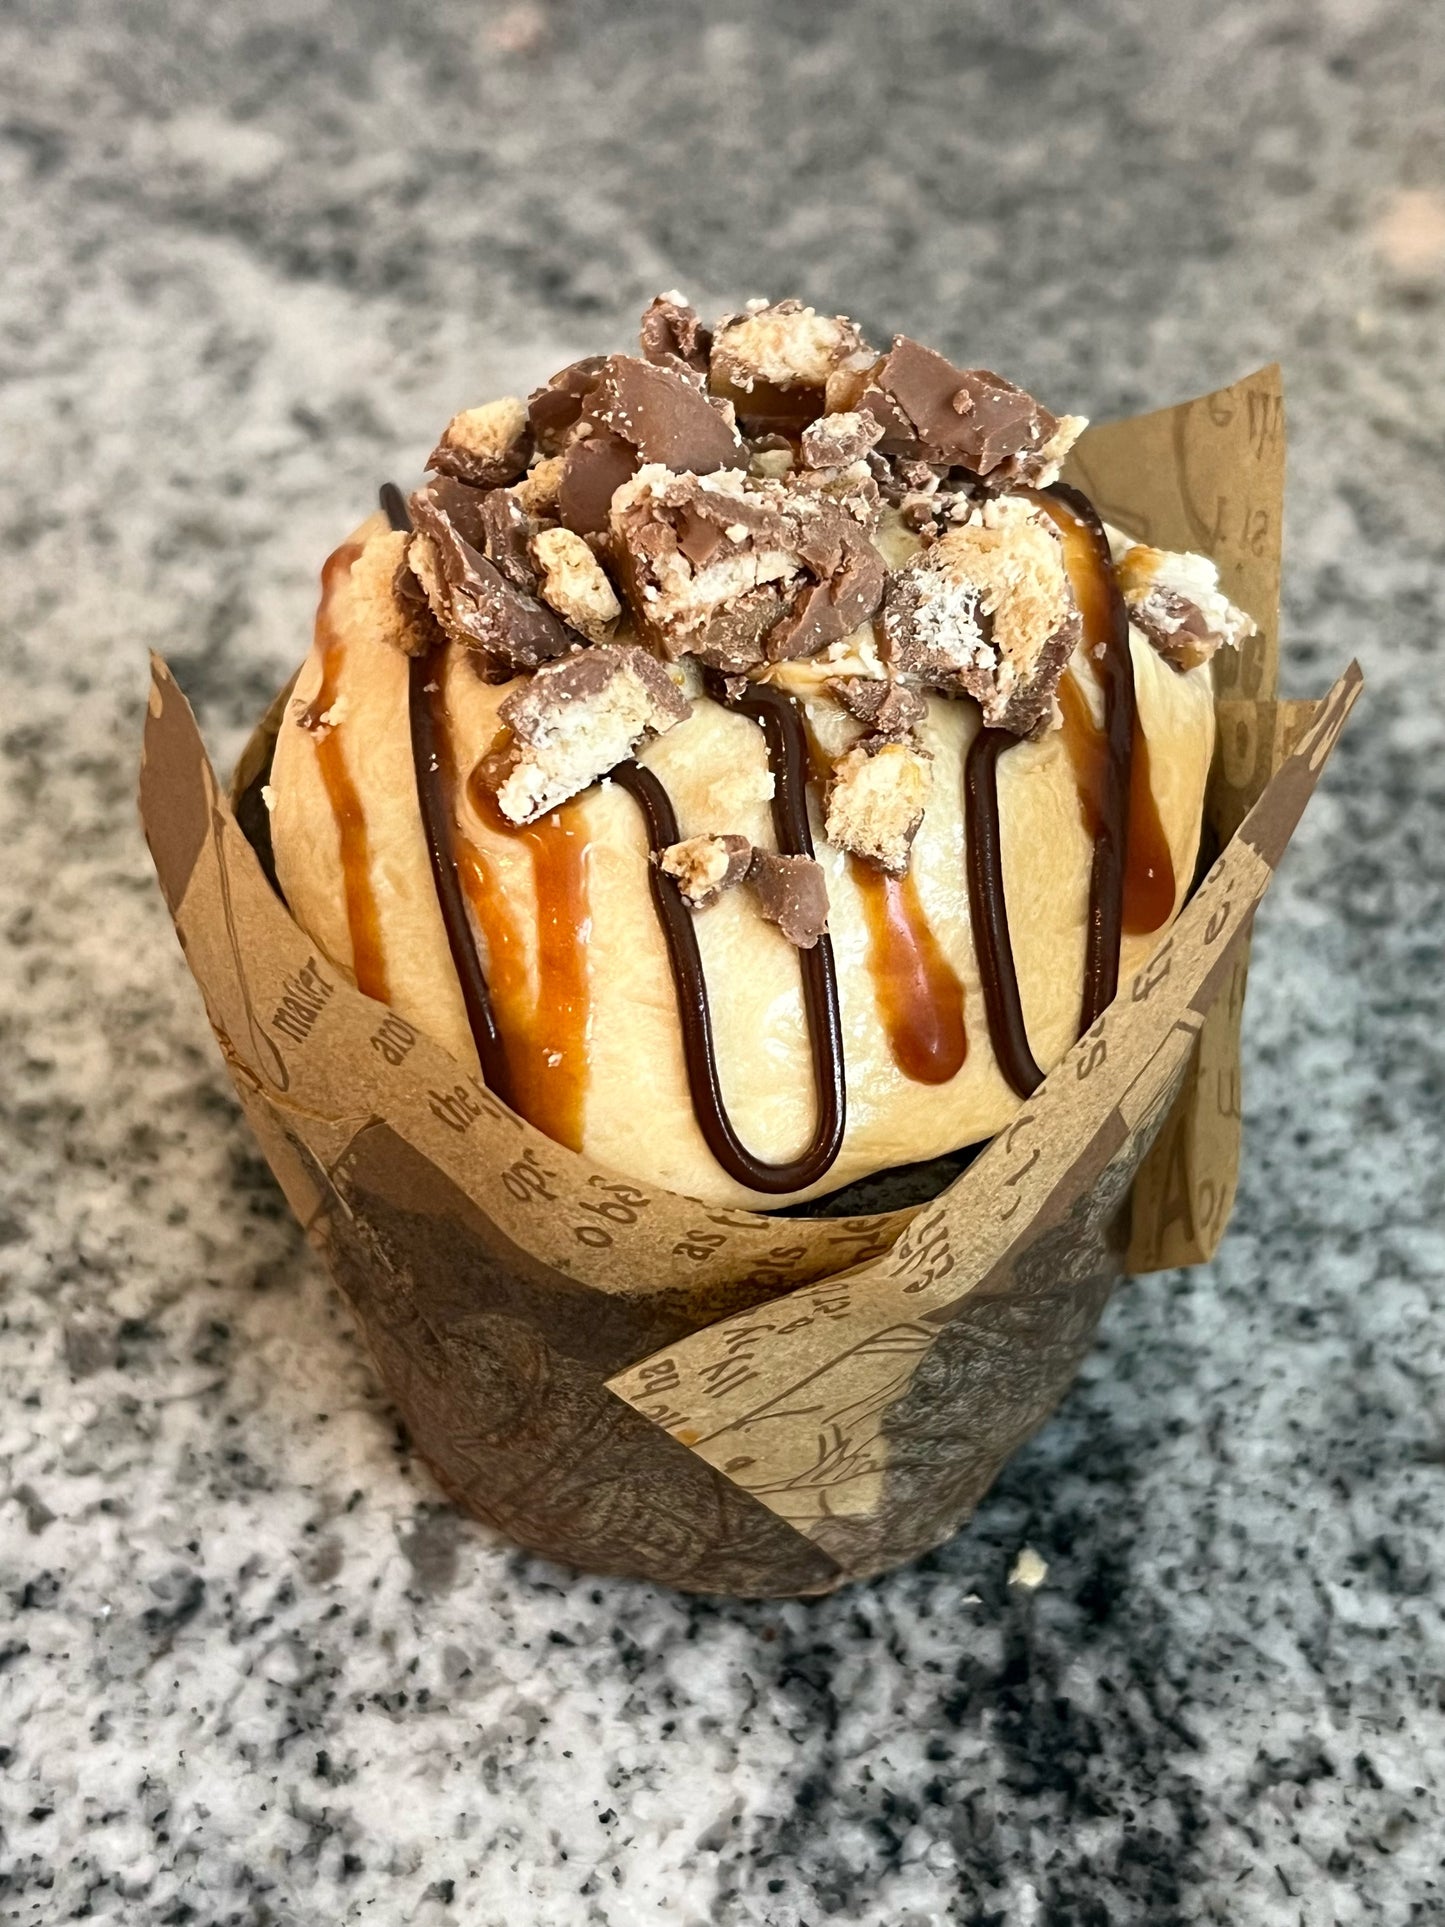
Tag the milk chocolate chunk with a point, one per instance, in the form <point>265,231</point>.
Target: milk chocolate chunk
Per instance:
<point>553,409</point>
<point>850,577</point>
<point>890,709</point>
<point>836,441</point>
<point>704,866</point>
<point>852,390</point>
<point>968,417</point>
<point>593,469</point>
<point>575,720</point>
<point>484,447</point>
<point>454,507</point>
<point>875,799</point>
<point>507,532</point>
<point>665,415</point>
<point>737,634</point>
<point>792,894</point>
<point>987,611</point>
<point>469,595</point>
<point>672,336</point>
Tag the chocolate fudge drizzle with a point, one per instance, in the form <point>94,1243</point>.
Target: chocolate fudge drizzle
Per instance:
<point>427,751</point>
<point>820,977</point>
<point>988,910</point>
<point>1106,631</point>
<point>1112,769</point>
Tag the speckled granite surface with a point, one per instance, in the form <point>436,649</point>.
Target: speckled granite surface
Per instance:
<point>252,1670</point>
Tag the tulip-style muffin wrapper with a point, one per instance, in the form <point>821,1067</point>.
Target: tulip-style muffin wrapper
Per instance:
<point>633,1381</point>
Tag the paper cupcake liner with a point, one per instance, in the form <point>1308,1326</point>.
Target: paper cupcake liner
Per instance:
<point>631,1381</point>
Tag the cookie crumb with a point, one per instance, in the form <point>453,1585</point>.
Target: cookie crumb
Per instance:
<point>704,866</point>
<point>379,591</point>
<point>575,584</point>
<point>875,800</point>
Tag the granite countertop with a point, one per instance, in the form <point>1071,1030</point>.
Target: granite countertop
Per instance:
<point>253,1669</point>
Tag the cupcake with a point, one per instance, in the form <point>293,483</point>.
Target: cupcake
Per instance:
<point>734,939</point>
<point>749,755</point>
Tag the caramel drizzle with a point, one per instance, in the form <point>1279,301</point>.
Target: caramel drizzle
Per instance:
<point>544,1031</point>
<point>1149,882</point>
<point>1132,867</point>
<point>787,753</point>
<point>919,995</point>
<point>363,921</point>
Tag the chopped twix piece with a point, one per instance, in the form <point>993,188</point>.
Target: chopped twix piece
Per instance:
<point>835,441</point>
<point>888,708</point>
<point>485,446</point>
<point>637,413</point>
<point>875,800</point>
<point>575,720</point>
<point>774,362</point>
<point>704,866</point>
<point>738,569</point>
<point>379,579</point>
<point>469,594</point>
<point>1176,600</point>
<point>704,561</point>
<point>988,610</point>
<point>967,417</point>
<point>783,345</point>
<point>672,335</point>
<point>574,583</point>
<point>792,894</point>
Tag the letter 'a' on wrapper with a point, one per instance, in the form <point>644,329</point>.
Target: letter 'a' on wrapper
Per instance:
<point>629,1381</point>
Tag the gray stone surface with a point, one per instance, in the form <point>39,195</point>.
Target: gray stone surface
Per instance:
<point>252,1669</point>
